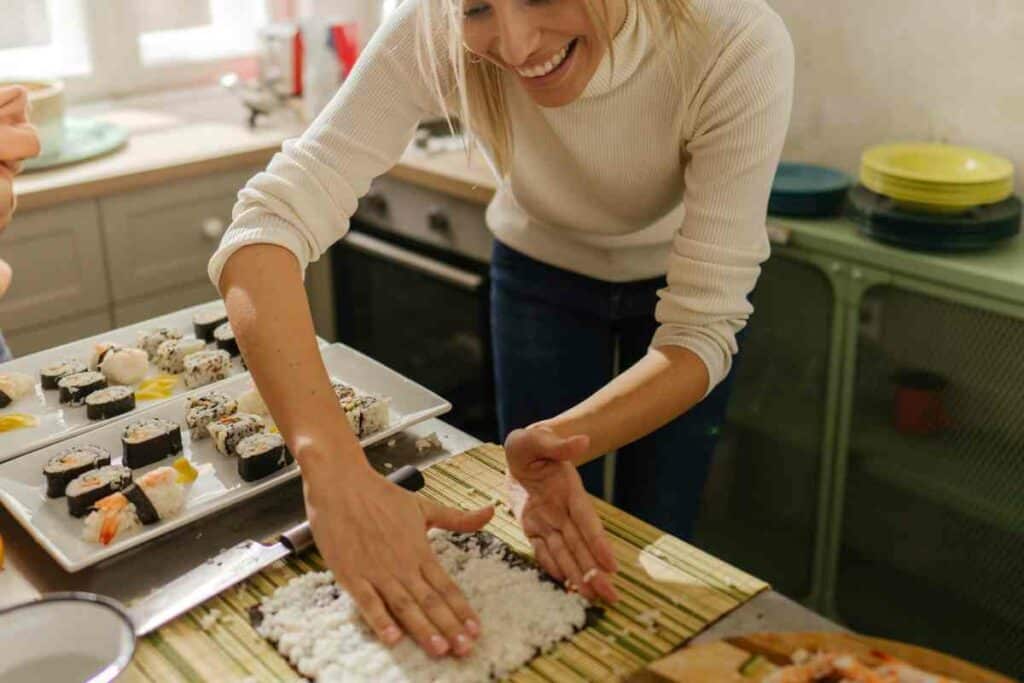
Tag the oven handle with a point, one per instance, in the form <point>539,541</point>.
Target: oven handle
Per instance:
<point>427,266</point>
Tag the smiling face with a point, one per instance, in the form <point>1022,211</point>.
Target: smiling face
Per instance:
<point>551,46</point>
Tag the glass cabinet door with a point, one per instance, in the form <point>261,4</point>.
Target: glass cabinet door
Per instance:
<point>760,505</point>
<point>932,532</point>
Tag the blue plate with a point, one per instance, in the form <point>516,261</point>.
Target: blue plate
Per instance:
<point>83,139</point>
<point>807,190</point>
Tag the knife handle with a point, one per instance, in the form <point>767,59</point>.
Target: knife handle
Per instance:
<point>300,536</point>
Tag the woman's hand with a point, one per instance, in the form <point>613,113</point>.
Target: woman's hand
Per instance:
<point>18,141</point>
<point>372,535</point>
<point>547,496</point>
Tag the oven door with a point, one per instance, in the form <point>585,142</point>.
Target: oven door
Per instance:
<point>422,312</point>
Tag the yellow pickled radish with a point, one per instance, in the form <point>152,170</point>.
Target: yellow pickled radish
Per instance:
<point>186,472</point>
<point>17,421</point>
<point>157,387</point>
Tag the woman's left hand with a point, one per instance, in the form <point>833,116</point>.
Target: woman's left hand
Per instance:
<point>547,497</point>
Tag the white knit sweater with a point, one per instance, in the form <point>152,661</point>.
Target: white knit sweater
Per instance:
<point>653,170</point>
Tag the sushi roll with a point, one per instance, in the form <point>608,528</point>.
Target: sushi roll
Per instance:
<point>156,495</point>
<point>113,515</point>
<point>261,455</point>
<point>225,338</point>
<point>14,385</point>
<point>206,367</point>
<point>75,388</point>
<point>252,402</point>
<point>342,390</point>
<point>99,405</point>
<point>71,463</point>
<point>205,322</point>
<point>149,440</point>
<point>200,411</point>
<point>88,487</point>
<point>124,365</point>
<point>150,340</point>
<point>227,432</point>
<point>50,374</point>
<point>170,356</point>
<point>366,414</point>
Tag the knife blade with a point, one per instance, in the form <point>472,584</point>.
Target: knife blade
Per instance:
<point>232,566</point>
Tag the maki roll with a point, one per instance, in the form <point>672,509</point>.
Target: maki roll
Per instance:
<point>14,385</point>
<point>366,414</point>
<point>252,402</point>
<point>156,495</point>
<point>50,374</point>
<point>170,356</point>
<point>150,340</point>
<point>75,388</point>
<point>99,405</point>
<point>113,515</point>
<point>205,367</point>
<point>227,432</point>
<point>149,440</point>
<point>124,365</point>
<point>89,487</point>
<point>225,338</point>
<point>200,411</point>
<point>261,455</point>
<point>71,463</point>
<point>205,322</point>
<point>342,390</point>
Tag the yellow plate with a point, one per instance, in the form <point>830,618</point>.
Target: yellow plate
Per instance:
<point>961,197</point>
<point>937,163</point>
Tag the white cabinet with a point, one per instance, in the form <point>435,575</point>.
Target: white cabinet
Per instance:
<point>59,270</point>
<point>61,332</point>
<point>163,302</point>
<point>161,238</point>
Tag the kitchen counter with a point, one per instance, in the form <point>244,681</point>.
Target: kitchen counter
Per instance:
<point>186,134</point>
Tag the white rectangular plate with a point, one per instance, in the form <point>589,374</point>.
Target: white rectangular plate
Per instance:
<point>57,421</point>
<point>23,490</point>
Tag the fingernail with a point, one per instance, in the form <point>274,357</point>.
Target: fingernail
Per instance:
<point>439,644</point>
<point>463,645</point>
<point>473,627</point>
<point>391,635</point>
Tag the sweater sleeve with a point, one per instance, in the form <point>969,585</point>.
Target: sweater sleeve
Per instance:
<point>304,199</point>
<point>735,134</point>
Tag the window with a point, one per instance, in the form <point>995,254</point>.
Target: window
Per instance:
<point>111,47</point>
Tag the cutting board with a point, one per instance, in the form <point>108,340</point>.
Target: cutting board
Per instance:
<point>720,661</point>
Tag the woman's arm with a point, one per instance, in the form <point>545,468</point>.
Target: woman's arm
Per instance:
<point>370,532</point>
<point>660,387</point>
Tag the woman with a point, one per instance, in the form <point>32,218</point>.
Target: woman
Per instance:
<point>603,119</point>
<point>18,141</point>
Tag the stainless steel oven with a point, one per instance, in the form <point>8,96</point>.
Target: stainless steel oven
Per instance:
<point>411,290</point>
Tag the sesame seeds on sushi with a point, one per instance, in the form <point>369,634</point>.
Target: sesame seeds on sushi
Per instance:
<point>228,431</point>
<point>206,367</point>
<point>200,411</point>
<point>150,340</point>
<point>171,354</point>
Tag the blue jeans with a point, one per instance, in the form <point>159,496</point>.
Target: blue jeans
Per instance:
<point>555,334</point>
<point>5,351</point>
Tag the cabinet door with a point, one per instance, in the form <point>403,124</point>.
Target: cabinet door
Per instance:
<point>163,237</point>
<point>760,505</point>
<point>163,303</point>
<point>67,330</point>
<point>57,259</point>
<point>932,545</point>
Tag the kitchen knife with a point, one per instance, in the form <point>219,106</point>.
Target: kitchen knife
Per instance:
<point>232,566</point>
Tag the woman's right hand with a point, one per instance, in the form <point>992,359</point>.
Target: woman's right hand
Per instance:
<point>18,141</point>
<point>372,535</point>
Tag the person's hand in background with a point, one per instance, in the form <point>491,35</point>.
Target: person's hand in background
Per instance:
<point>18,141</point>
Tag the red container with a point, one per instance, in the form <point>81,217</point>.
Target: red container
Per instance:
<point>918,408</point>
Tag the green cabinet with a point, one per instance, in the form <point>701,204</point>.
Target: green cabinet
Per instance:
<point>917,537</point>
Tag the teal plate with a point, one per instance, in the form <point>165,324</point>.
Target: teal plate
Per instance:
<point>807,190</point>
<point>83,139</point>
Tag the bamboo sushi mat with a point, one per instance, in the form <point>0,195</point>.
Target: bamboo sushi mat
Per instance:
<point>670,591</point>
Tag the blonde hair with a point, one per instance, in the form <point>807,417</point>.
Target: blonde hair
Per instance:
<point>474,91</point>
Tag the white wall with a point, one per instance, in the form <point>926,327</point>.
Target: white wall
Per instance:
<point>885,70</point>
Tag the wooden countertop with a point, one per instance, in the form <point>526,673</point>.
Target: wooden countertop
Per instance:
<point>177,136</point>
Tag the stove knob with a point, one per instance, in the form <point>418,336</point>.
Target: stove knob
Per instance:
<point>377,203</point>
<point>439,222</point>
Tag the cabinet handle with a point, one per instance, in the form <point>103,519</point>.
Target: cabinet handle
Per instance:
<point>439,222</point>
<point>213,228</point>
